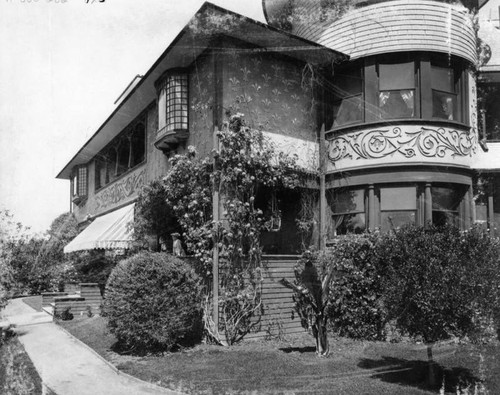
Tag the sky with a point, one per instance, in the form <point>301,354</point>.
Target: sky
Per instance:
<point>63,63</point>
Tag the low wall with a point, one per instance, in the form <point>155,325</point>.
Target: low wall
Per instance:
<point>48,297</point>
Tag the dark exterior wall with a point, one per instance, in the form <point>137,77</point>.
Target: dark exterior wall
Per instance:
<point>202,97</point>
<point>270,91</point>
<point>124,189</point>
<point>157,162</point>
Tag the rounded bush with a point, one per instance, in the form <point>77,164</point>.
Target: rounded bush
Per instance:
<point>153,302</point>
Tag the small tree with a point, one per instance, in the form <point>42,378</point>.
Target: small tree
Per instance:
<point>311,296</point>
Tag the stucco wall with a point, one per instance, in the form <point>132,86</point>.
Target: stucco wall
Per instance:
<point>201,104</point>
<point>272,91</point>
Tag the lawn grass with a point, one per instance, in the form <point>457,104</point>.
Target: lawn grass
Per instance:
<point>291,366</point>
<point>34,302</point>
<point>17,373</point>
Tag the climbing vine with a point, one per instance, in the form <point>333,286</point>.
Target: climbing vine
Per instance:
<point>245,163</point>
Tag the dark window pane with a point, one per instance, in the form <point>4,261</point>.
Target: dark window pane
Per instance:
<point>397,104</point>
<point>396,219</point>
<point>349,110</point>
<point>396,76</point>
<point>446,198</point>
<point>348,83</point>
<point>442,79</point>
<point>348,223</point>
<point>348,201</point>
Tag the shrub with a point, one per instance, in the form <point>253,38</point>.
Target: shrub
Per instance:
<point>153,302</point>
<point>93,267</point>
<point>354,301</point>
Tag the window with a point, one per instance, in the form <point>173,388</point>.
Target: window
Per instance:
<point>348,207</point>
<point>177,101</point>
<point>398,206</point>
<point>79,184</point>
<point>409,86</point>
<point>124,153</point>
<point>348,105</point>
<point>444,95</point>
<point>446,205</point>
<point>396,97</point>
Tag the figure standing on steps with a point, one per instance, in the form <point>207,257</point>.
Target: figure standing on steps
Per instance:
<point>177,249</point>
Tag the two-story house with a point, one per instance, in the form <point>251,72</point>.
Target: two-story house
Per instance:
<point>378,98</point>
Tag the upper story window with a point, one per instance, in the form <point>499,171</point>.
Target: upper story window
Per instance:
<point>79,184</point>
<point>348,104</point>
<point>444,93</point>
<point>396,90</point>
<point>125,152</point>
<point>173,90</point>
<point>409,86</point>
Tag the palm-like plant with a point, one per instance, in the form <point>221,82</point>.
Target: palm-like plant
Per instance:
<point>311,300</point>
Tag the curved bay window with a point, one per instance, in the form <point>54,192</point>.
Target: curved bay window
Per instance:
<point>390,87</point>
<point>173,118</point>
<point>79,184</point>
<point>396,205</point>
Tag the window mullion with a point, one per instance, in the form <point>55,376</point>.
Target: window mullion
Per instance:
<point>425,89</point>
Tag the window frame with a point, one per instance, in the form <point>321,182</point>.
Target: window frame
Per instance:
<point>423,89</point>
<point>79,184</point>
<point>107,160</point>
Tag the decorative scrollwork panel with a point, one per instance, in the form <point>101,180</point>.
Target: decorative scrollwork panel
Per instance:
<point>401,143</point>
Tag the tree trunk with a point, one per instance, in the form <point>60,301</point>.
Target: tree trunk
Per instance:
<point>431,378</point>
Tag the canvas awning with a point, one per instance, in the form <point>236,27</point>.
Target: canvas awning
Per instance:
<point>110,231</point>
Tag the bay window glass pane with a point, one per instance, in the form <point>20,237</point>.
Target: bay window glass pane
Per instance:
<point>348,101</point>
<point>395,219</point>
<point>396,76</point>
<point>348,83</point>
<point>446,198</point>
<point>348,110</point>
<point>444,105</point>
<point>397,90</point>
<point>397,104</point>
<point>348,201</point>
<point>442,79</point>
<point>348,223</point>
<point>445,205</point>
<point>398,198</point>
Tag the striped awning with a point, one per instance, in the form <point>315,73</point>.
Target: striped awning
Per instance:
<point>110,231</point>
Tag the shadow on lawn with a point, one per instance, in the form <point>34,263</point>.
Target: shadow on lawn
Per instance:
<point>414,373</point>
<point>301,350</point>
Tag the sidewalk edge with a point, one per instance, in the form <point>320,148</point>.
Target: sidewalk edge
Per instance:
<point>118,371</point>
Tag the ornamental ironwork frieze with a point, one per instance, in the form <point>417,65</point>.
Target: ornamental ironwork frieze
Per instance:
<point>381,143</point>
<point>120,190</point>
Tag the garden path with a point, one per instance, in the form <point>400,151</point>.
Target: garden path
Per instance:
<point>66,365</point>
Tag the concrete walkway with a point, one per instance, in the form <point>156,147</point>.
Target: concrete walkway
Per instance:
<point>65,365</point>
